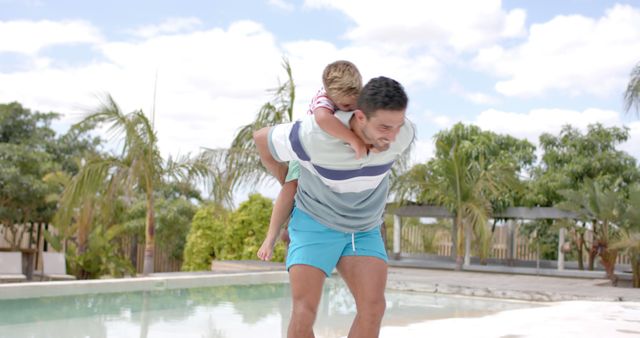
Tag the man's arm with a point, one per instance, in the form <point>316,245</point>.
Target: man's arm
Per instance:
<point>277,169</point>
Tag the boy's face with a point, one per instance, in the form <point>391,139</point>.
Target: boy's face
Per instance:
<point>381,129</point>
<point>345,102</point>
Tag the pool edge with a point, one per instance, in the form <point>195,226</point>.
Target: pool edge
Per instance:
<point>66,288</point>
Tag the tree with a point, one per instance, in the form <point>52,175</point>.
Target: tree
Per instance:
<point>30,150</point>
<point>632,94</point>
<point>176,204</point>
<point>138,168</point>
<point>471,173</point>
<point>570,158</point>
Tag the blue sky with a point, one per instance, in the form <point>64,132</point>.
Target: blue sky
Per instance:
<point>517,67</point>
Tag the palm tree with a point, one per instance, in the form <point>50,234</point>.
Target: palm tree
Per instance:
<point>223,176</point>
<point>630,233</point>
<point>632,94</point>
<point>465,176</point>
<point>138,168</point>
<point>600,207</point>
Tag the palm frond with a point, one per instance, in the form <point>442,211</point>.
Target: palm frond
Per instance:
<point>632,93</point>
<point>242,157</point>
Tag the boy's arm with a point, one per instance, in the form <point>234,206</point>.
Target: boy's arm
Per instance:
<point>329,123</point>
<point>282,209</point>
<point>277,169</point>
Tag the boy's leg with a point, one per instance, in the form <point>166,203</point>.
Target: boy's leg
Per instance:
<point>306,289</point>
<point>366,277</point>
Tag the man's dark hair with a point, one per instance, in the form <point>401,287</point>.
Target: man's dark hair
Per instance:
<point>382,93</point>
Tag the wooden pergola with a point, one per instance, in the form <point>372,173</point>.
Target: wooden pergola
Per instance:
<point>519,213</point>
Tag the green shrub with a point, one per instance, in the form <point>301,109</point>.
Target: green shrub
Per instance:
<point>217,234</point>
<point>205,238</point>
<point>101,258</point>
<point>248,228</point>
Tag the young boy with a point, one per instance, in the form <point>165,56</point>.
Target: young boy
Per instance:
<point>342,84</point>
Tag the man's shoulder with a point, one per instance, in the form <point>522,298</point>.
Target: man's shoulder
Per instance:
<point>406,135</point>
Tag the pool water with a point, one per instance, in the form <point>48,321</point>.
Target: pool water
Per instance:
<point>221,311</point>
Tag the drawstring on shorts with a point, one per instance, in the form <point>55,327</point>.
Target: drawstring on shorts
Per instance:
<point>353,241</point>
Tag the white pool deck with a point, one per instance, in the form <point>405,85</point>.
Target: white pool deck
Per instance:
<point>583,319</point>
<point>574,307</point>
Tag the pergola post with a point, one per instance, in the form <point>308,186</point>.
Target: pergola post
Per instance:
<point>454,239</point>
<point>560,249</point>
<point>467,246</point>
<point>397,236</point>
<point>511,239</point>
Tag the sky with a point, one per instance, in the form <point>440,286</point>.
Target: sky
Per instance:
<point>205,67</point>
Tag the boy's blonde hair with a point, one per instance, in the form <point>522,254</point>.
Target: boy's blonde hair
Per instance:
<point>342,78</point>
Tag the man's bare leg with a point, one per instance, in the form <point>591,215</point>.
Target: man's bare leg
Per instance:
<point>306,289</point>
<point>366,277</point>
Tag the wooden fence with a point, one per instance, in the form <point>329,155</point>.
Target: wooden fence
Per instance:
<point>163,262</point>
<point>422,238</point>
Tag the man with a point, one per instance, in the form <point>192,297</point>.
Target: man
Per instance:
<point>339,203</point>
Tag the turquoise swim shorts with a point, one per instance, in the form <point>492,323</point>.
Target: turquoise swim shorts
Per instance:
<point>317,245</point>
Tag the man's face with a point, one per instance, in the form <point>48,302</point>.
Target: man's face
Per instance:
<point>381,129</point>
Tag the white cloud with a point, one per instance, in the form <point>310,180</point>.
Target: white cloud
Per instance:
<point>532,124</point>
<point>475,97</point>
<point>30,37</point>
<point>422,151</point>
<point>461,24</point>
<point>480,98</point>
<point>282,4</point>
<point>632,146</point>
<point>169,26</point>
<point>573,54</point>
<point>441,121</point>
<point>210,82</point>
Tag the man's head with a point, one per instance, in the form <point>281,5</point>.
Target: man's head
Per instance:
<point>381,111</point>
<point>342,81</point>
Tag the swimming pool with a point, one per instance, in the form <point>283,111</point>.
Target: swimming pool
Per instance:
<point>260,309</point>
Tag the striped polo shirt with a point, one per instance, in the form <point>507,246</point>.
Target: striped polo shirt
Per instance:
<point>334,187</point>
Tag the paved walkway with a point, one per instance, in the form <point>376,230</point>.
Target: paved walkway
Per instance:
<point>497,285</point>
<point>479,284</point>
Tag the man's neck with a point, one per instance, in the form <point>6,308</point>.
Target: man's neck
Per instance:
<point>353,125</point>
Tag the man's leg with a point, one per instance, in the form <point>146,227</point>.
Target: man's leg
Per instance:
<point>306,289</point>
<point>366,277</point>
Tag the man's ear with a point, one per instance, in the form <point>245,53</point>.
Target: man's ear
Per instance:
<point>360,116</point>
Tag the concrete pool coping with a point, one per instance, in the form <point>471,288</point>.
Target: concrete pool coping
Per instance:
<point>584,285</point>
<point>152,283</point>
<point>465,283</point>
